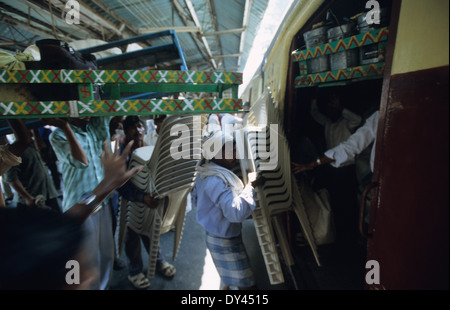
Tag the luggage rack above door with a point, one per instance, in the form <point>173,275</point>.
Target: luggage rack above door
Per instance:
<point>330,78</point>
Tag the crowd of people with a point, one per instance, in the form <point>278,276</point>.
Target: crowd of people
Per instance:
<point>88,204</point>
<point>93,155</point>
<point>37,241</point>
<point>68,182</point>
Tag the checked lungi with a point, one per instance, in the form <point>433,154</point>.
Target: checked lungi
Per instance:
<point>231,260</point>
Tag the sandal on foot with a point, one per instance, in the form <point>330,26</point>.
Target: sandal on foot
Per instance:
<point>167,269</point>
<point>139,281</point>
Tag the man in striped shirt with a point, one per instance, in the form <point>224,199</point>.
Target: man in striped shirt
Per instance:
<point>78,144</point>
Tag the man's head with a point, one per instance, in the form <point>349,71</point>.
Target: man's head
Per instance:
<point>246,106</point>
<point>221,149</point>
<point>116,123</point>
<point>158,121</point>
<point>334,101</point>
<point>133,128</point>
<point>80,122</point>
<point>330,101</point>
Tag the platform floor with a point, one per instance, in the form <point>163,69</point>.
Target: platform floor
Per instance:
<point>195,268</point>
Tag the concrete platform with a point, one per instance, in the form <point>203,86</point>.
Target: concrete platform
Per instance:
<point>195,268</point>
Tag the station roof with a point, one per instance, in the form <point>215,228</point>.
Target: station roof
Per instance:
<point>215,35</point>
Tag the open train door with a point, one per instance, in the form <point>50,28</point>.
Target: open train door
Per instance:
<point>408,234</point>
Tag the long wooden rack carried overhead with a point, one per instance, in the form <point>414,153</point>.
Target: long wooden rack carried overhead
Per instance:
<point>118,82</point>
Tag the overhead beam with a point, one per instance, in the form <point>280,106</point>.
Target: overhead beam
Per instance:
<point>183,16</point>
<point>228,31</point>
<point>89,13</point>
<point>133,30</point>
<point>198,24</point>
<point>229,69</point>
<point>43,10</point>
<point>31,25</point>
<point>91,21</point>
<point>226,56</point>
<point>212,13</point>
<point>30,28</point>
<point>11,44</point>
<point>245,22</point>
<point>176,29</point>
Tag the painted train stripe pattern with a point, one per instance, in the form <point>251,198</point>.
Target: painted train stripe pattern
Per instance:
<point>355,41</point>
<point>341,74</point>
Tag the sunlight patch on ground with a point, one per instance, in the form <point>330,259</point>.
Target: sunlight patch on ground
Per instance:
<point>210,277</point>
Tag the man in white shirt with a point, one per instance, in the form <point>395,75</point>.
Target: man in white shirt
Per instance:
<point>347,150</point>
<point>342,155</point>
<point>223,203</point>
<point>339,123</point>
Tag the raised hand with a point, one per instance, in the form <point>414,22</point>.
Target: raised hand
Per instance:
<point>115,165</point>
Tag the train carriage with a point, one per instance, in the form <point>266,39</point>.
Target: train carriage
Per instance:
<point>400,68</point>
